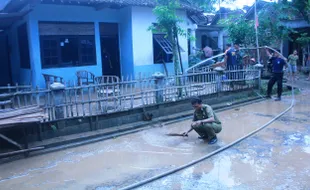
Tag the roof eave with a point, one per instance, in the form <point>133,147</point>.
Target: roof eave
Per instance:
<point>16,6</point>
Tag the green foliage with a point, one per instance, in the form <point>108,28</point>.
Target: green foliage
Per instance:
<point>302,7</point>
<point>206,5</point>
<point>271,29</point>
<point>166,16</point>
<point>193,59</point>
<point>240,30</point>
<point>304,39</point>
<point>168,22</point>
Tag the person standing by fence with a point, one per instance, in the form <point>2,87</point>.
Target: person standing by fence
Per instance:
<point>230,60</point>
<point>292,65</point>
<point>208,52</point>
<point>278,64</point>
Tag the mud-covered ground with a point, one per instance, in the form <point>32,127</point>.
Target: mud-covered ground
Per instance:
<point>275,158</point>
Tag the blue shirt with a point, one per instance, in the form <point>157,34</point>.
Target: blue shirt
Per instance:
<point>277,64</point>
<point>231,57</point>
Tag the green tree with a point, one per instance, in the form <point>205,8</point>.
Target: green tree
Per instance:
<point>302,7</point>
<point>304,41</point>
<point>271,29</point>
<point>240,30</point>
<point>168,22</point>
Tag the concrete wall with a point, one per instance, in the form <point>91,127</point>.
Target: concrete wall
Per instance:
<point>136,42</point>
<point>142,19</point>
<point>65,14</point>
<point>126,45</point>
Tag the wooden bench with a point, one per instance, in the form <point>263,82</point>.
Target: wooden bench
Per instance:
<point>85,78</point>
<point>50,79</point>
<point>21,119</point>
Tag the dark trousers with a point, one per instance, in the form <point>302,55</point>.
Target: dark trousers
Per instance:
<point>208,130</point>
<point>276,77</point>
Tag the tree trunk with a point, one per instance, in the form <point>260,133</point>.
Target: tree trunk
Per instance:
<point>176,62</point>
<point>175,56</point>
<point>179,52</point>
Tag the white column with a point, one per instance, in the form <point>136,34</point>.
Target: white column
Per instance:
<point>34,53</point>
<point>220,41</point>
<point>98,45</point>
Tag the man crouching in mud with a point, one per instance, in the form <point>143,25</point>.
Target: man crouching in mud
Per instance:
<point>205,122</point>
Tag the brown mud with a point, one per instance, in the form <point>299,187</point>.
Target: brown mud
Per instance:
<point>275,158</point>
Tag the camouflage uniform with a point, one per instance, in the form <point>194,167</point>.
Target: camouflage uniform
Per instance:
<point>207,130</point>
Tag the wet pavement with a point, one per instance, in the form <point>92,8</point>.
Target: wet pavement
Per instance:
<point>275,158</point>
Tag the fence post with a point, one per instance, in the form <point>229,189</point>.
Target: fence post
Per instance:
<point>159,84</point>
<point>219,72</point>
<point>259,67</point>
<point>57,91</point>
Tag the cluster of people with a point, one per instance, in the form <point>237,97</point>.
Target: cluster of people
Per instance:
<point>235,57</point>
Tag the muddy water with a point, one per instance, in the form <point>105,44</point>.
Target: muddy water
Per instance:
<point>118,162</point>
<point>275,158</point>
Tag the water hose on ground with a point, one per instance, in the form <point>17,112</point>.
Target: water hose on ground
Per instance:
<point>172,171</point>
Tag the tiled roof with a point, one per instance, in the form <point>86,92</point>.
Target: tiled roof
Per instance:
<point>14,6</point>
<point>149,3</point>
<point>200,19</point>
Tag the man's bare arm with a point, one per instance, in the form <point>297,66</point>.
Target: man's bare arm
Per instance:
<point>221,64</point>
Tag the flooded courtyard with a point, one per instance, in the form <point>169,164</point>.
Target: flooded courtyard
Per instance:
<point>275,158</point>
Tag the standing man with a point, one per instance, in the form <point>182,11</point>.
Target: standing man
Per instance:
<point>292,64</point>
<point>230,57</point>
<point>278,62</point>
<point>240,55</point>
<point>205,122</point>
<point>229,60</point>
<point>208,52</point>
<point>230,63</point>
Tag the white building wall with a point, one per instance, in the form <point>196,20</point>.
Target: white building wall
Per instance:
<point>141,37</point>
<point>142,40</point>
